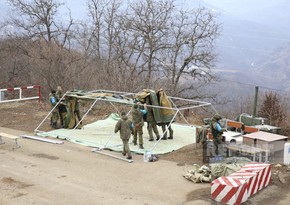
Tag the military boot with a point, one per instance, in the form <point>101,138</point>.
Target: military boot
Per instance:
<point>158,137</point>
<point>141,146</point>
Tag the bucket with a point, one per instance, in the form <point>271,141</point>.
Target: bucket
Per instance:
<point>146,156</point>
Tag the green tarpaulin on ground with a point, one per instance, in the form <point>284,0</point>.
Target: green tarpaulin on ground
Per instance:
<point>101,134</point>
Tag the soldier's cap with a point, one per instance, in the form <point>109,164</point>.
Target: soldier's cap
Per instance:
<point>123,113</point>
<point>135,106</point>
<point>217,117</point>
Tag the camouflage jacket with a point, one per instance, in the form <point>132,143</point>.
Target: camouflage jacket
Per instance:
<point>124,125</point>
<point>137,117</point>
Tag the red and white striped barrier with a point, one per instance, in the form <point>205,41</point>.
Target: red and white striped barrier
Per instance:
<point>21,96</point>
<point>263,173</point>
<point>251,179</point>
<point>229,190</point>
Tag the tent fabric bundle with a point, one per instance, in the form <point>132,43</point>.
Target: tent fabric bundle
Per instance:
<point>198,174</point>
<point>228,166</point>
<point>162,107</point>
<point>85,95</point>
<point>150,98</point>
<point>154,101</point>
<point>165,113</point>
<point>70,120</point>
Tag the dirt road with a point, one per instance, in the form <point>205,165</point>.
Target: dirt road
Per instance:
<point>44,173</point>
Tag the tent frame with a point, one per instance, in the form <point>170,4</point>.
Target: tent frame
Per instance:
<point>177,110</point>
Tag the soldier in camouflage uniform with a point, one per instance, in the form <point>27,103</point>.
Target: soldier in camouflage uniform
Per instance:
<point>138,122</point>
<point>125,126</point>
<point>151,125</point>
<point>61,107</point>
<point>54,116</point>
<point>216,131</point>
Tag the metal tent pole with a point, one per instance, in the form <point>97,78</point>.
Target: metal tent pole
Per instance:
<point>100,152</point>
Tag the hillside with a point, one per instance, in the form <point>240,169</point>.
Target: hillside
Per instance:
<point>275,67</point>
<point>254,41</point>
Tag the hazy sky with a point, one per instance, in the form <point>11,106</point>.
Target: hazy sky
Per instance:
<point>239,7</point>
<point>77,7</point>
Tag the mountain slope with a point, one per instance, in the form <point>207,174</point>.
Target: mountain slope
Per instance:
<point>275,68</point>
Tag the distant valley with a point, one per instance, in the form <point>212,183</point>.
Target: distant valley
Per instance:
<point>255,41</point>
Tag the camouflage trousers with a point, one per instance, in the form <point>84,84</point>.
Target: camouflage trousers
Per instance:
<point>152,127</point>
<point>54,117</point>
<point>216,141</point>
<point>138,130</point>
<point>126,148</point>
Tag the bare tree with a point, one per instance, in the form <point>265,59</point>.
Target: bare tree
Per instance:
<point>102,37</point>
<point>47,42</point>
<point>174,47</point>
<point>109,42</point>
<point>272,109</point>
<point>13,64</point>
<point>123,45</point>
<point>96,10</point>
<point>148,24</point>
<point>190,56</point>
<point>37,20</point>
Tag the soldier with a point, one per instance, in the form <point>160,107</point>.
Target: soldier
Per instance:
<point>54,116</point>
<point>59,92</point>
<point>216,131</point>
<point>61,107</point>
<point>138,122</point>
<point>151,125</point>
<point>125,126</point>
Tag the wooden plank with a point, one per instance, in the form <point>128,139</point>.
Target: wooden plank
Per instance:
<point>8,136</point>
<point>234,124</point>
<point>248,129</point>
<point>11,137</point>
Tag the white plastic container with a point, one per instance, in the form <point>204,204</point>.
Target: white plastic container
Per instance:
<point>146,156</point>
<point>287,153</point>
